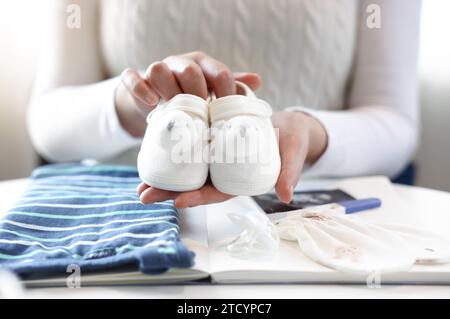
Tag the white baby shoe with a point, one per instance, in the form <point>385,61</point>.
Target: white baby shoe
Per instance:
<point>244,155</point>
<point>174,152</point>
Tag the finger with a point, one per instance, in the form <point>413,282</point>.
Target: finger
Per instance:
<point>139,87</point>
<point>189,75</point>
<point>152,195</point>
<point>293,151</point>
<point>217,75</point>
<point>206,195</point>
<point>141,187</point>
<point>162,80</point>
<point>253,80</point>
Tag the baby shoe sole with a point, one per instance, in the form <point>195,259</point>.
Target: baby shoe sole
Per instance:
<point>170,186</point>
<point>242,189</point>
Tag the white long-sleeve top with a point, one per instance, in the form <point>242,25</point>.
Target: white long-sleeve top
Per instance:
<point>318,56</point>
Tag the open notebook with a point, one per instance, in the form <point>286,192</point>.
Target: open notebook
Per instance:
<point>207,230</point>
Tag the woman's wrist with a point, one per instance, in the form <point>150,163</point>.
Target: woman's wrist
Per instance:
<point>318,139</point>
<point>129,117</point>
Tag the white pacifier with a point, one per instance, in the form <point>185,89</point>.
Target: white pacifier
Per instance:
<point>258,238</point>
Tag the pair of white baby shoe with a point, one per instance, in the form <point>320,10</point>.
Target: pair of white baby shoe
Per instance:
<point>231,138</point>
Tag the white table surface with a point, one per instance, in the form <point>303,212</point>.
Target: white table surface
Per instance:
<point>433,207</point>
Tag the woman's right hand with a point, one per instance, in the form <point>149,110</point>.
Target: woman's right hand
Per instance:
<point>194,73</point>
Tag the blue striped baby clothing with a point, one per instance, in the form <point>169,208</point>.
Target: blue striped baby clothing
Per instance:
<point>91,216</point>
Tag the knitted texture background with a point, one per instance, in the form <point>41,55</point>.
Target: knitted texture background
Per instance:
<point>302,48</point>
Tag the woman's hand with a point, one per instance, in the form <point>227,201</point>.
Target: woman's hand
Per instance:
<point>207,194</point>
<point>302,139</point>
<point>194,73</point>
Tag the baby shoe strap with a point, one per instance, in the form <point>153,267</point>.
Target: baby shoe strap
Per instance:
<point>233,105</point>
<point>247,90</point>
<point>184,102</point>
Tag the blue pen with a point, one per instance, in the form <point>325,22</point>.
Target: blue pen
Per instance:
<point>343,207</point>
<point>347,206</point>
<point>358,205</point>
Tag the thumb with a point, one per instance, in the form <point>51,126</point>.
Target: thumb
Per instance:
<point>293,154</point>
<point>253,80</point>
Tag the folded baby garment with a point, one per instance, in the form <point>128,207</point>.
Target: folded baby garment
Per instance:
<point>91,216</point>
<point>347,243</point>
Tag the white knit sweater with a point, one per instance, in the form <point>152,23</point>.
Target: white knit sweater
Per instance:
<point>314,54</point>
<point>302,49</point>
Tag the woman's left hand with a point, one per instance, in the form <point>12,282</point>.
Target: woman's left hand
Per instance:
<point>302,138</point>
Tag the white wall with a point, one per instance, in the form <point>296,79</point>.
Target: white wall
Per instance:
<point>19,38</point>
<point>433,158</point>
